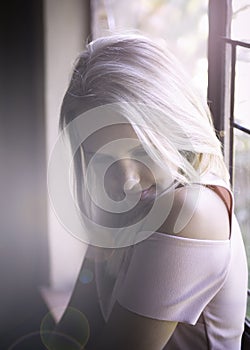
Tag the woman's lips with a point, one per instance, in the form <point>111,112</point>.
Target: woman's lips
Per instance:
<point>148,193</point>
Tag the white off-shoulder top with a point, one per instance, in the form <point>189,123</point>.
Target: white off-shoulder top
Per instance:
<point>201,284</point>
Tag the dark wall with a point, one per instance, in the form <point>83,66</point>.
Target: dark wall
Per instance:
<point>23,223</point>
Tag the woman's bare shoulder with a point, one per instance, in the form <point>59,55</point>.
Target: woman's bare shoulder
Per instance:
<point>199,213</point>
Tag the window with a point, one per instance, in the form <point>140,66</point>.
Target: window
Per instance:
<point>240,117</point>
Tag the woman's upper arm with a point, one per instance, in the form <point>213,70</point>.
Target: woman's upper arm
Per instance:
<point>128,330</point>
<point>198,212</point>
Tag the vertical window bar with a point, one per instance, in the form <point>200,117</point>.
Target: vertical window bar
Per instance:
<point>220,13</point>
<point>231,125</point>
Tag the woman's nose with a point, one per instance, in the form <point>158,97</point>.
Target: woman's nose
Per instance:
<point>122,178</point>
<point>132,184</point>
<point>130,175</point>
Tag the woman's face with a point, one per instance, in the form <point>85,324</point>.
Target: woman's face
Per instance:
<point>124,175</point>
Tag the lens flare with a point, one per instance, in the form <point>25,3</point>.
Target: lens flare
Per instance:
<point>73,332</point>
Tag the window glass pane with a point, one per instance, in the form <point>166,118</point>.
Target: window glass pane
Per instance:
<point>242,87</point>
<point>242,189</point>
<point>241,32</point>
<point>183,23</point>
<point>240,20</point>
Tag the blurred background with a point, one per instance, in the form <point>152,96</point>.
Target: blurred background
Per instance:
<point>40,40</point>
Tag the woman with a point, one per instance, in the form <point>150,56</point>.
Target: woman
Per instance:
<point>166,259</point>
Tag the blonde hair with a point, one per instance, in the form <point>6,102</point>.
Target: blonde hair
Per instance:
<point>170,118</point>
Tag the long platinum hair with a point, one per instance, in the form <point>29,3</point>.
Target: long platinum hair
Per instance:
<point>171,119</point>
